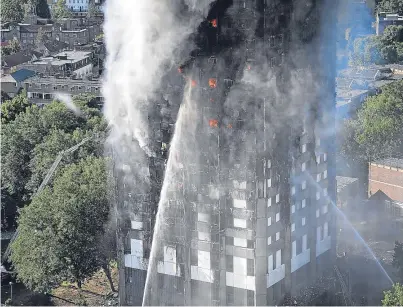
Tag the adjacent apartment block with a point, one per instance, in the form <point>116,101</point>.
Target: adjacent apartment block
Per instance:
<point>247,217</point>
<point>387,175</point>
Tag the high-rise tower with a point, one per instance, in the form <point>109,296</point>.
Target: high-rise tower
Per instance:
<point>245,216</point>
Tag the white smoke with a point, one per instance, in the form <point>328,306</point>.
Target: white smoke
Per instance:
<point>141,37</point>
<point>68,102</point>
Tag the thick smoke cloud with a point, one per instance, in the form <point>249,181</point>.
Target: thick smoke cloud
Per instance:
<point>160,34</point>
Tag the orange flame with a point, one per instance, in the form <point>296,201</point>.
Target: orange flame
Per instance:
<point>214,23</point>
<point>212,82</point>
<point>248,67</point>
<point>213,123</point>
<point>193,83</point>
<point>229,126</point>
<point>180,70</point>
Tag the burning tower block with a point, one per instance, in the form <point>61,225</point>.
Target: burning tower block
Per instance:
<point>246,218</point>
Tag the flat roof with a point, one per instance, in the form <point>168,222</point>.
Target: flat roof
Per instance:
<point>64,81</point>
<point>391,162</point>
<point>72,57</point>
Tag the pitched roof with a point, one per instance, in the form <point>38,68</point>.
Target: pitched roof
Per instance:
<point>17,58</point>
<point>22,74</point>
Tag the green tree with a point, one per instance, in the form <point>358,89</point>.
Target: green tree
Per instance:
<point>376,131</point>
<point>12,10</point>
<point>13,47</point>
<point>393,297</point>
<point>60,10</point>
<point>42,9</point>
<point>30,143</point>
<point>11,108</point>
<point>366,51</point>
<point>92,9</point>
<point>59,233</point>
<point>391,6</point>
<point>398,259</point>
<point>393,34</point>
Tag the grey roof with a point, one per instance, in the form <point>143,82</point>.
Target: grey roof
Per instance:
<point>343,182</point>
<point>55,46</point>
<point>391,162</point>
<point>34,28</point>
<point>64,81</point>
<point>17,58</point>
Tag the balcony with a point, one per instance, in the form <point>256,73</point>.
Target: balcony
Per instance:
<point>275,276</point>
<point>323,246</point>
<point>300,260</point>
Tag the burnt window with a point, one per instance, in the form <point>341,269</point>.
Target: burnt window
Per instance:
<point>230,295</point>
<point>250,298</point>
<point>250,265</point>
<point>193,256</point>
<point>230,263</point>
<point>230,241</point>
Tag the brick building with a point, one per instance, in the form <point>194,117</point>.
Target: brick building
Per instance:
<point>387,176</point>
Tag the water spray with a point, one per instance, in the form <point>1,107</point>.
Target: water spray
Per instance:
<point>352,227</point>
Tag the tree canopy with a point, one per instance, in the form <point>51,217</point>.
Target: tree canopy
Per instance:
<point>398,259</point>
<point>13,47</point>
<point>32,139</point>
<point>377,130</point>
<point>11,108</point>
<point>60,231</point>
<point>12,10</point>
<point>391,6</point>
<point>42,9</point>
<point>60,10</point>
<point>393,297</point>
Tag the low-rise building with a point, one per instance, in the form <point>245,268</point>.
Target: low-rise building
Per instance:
<point>347,188</point>
<point>67,63</point>
<point>11,84</point>
<point>386,175</point>
<point>42,90</point>
<point>384,20</point>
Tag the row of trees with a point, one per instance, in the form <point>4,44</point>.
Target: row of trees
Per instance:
<point>13,10</point>
<point>64,234</point>
<point>384,49</point>
<point>377,129</point>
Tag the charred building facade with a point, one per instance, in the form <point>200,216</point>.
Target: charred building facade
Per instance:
<point>238,200</point>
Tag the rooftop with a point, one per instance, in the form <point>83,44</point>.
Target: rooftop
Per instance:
<point>343,182</point>
<point>64,81</point>
<point>65,57</point>
<point>391,162</point>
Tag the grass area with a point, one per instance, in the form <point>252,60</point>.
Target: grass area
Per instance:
<point>95,291</point>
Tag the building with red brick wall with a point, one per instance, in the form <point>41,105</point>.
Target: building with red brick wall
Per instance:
<point>386,175</point>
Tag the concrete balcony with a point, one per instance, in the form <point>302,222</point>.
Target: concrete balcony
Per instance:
<point>275,276</point>
<point>300,260</point>
<point>323,246</point>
